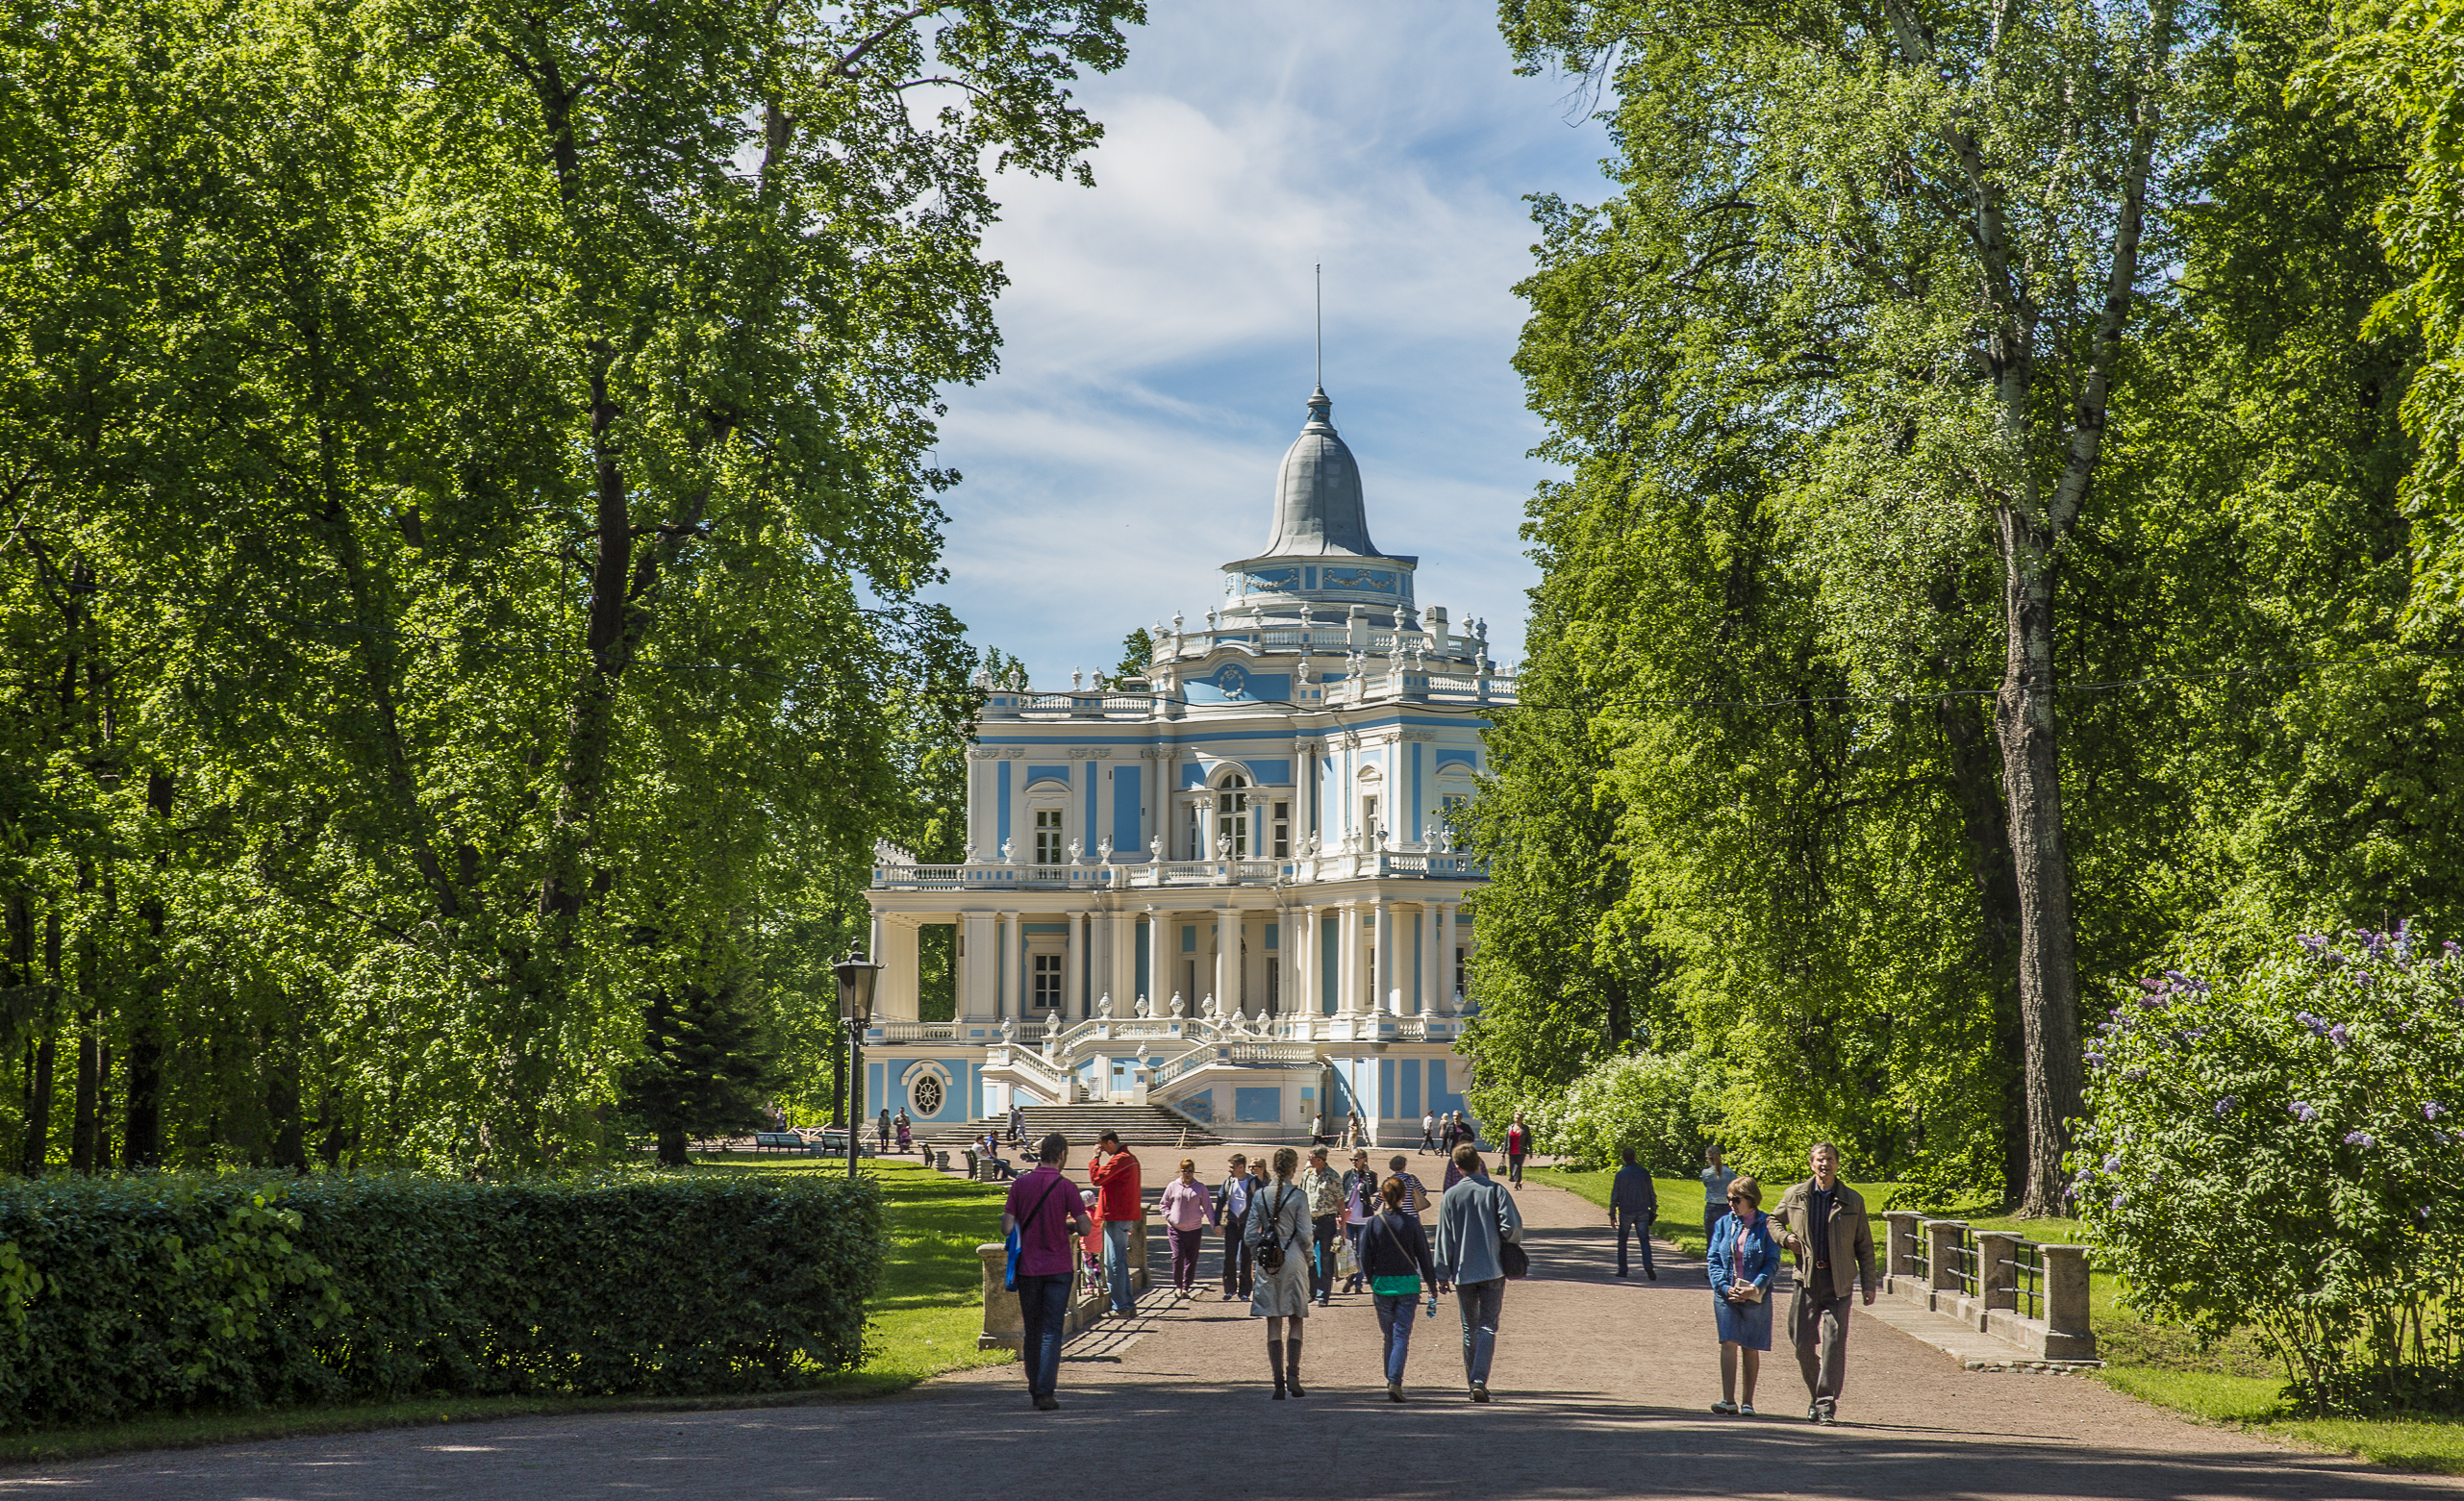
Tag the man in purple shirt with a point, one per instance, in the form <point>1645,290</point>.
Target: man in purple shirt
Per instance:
<point>1045,1209</point>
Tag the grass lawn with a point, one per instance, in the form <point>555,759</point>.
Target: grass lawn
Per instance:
<point>926,1317</point>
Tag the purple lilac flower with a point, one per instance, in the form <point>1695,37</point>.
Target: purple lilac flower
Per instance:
<point>2453,947</point>
<point>2361,977</point>
<point>2439,1136</point>
<point>2304,1110</point>
<point>2117,1201</point>
<point>2113,1164</point>
<point>2433,1109</point>
<point>2374,943</point>
<point>2315,942</point>
<point>2359,1138</point>
<point>2317,1025</point>
<point>2134,1075</point>
<point>2225,1105</point>
<point>2338,1035</point>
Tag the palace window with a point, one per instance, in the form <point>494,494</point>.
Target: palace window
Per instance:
<point>1368,818</point>
<point>1048,850</point>
<point>1048,982</point>
<point>1283,830</point>
<point>1232,815</point>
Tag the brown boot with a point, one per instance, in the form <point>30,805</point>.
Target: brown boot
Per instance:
<point>1274,1354</point>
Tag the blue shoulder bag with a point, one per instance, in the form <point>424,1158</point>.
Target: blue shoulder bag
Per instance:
<point>1010,1273</point>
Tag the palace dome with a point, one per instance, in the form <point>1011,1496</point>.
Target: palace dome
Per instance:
<point>1318,511</point>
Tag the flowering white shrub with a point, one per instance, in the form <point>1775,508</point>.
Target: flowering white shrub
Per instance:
<point>1653,1102</point>
<point>2280,1150</point>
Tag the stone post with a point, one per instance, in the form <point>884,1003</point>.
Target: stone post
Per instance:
<point>1899,1246</point>
<point>1942,1242</point>
<point>1003,1324</point>
<point>2068,1334</point>
<point>1997,1280</point>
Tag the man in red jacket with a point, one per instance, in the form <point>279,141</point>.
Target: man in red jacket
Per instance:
<point>1119,1205</point>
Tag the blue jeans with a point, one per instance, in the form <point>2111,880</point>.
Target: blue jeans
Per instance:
<point>1043,1304</point>
<point>1480,1303</point>
<point>1638,1228</point>
<point>1117,1265</point>
<point>1394,1311</point>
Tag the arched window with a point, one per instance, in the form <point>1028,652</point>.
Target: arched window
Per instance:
<point>1232,814</point>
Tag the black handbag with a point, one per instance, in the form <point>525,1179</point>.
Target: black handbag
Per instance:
<point>1512,1259</point>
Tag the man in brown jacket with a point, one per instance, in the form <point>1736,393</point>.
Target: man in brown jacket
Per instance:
<point>1823,1220</point>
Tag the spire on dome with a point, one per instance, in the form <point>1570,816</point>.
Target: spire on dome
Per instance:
<point>1319,509</point>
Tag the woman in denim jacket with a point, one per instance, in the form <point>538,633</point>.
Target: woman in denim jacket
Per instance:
<point>1743,1261</point>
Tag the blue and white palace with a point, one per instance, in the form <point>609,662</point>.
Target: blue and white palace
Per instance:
<point>1228,889</point>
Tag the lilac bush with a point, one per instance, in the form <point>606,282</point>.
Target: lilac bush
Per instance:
<point>2271,1150</point>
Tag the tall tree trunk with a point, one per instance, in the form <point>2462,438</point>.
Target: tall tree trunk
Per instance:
<point>287,1148</point>
<point>1985,842</point>
<point>671,1147</point>
<point>38,1083</point>
<point>46,1052</point>
<point>81,1125</point>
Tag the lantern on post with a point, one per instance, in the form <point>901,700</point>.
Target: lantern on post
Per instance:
<point>857,976</point>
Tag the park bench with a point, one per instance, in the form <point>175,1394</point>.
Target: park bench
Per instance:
<point>778,1142</point>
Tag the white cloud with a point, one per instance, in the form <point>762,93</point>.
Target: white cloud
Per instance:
<point>1158,327</point>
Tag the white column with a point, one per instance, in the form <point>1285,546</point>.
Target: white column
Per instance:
<point>1432,971</point>
<point>1347,960</point>
<point>1073,971</point>
<point>1385,969</point>
<point>901,985</point>
<point>1227,957</point>
<point>975,972</point>
<point>1006,985</point>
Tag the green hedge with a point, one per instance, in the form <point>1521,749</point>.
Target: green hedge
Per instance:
<point>136,1295</point>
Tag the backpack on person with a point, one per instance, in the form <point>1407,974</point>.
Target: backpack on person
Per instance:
<point>1271,1250</point>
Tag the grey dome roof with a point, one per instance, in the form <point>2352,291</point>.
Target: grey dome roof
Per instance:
<point>1318,508</point>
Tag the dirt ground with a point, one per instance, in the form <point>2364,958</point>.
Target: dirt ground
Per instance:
<point>1602,1389</point>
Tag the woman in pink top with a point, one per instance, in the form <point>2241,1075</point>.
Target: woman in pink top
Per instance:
<point>1186,1211</point>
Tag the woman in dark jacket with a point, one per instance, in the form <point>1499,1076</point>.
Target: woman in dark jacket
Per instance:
<point>1395,1257</point>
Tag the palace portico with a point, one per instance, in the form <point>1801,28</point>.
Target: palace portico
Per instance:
<point>1228,889</point>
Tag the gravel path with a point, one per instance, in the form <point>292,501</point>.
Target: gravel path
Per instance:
<point>1601,1391</point>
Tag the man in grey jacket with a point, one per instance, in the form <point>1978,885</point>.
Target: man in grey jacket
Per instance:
<point>1633,1203</point>
<point>1475,1218</point>
<point>1823,1220</point>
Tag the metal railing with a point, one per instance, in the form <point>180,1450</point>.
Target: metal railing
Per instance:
<point>2028,1279</point>
<point>1920,1259</point>
<point>1963,1261</point>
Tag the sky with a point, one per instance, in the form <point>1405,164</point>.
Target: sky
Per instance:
<point>1157,328</point>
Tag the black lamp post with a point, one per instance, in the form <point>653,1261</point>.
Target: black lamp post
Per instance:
<point>856,977</point>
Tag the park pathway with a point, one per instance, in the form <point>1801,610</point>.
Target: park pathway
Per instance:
<point>1601,1391</point>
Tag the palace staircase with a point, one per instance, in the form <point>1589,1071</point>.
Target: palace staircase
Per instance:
<point>1137,1125</point>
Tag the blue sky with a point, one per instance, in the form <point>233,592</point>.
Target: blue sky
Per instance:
<point>1157,326</point>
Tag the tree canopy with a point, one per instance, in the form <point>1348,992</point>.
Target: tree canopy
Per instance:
<point>1978,432</point>
<point>468,492</point>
